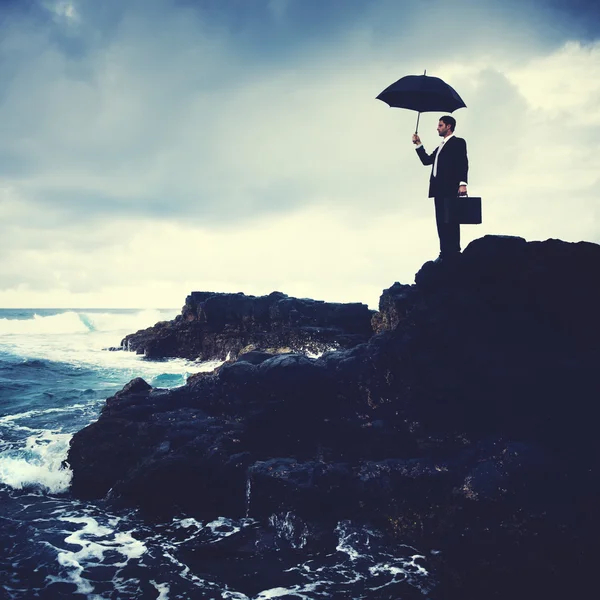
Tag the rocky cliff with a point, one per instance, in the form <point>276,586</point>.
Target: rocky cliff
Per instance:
<point>468,423</point>
<point>219,326</point>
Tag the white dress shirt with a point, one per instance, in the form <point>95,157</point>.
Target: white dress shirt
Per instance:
<point>441,146</point>
<point>437,154</point>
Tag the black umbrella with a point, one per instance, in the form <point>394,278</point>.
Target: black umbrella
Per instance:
<point>423,94</point>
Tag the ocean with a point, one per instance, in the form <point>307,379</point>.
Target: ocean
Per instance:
<point>55,373</point>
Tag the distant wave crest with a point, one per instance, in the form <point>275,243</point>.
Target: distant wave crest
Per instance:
<point>72,321</point>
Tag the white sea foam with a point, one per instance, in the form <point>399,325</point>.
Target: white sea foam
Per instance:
<point>36,460</point>
<point>9,420</point>
<point>187,523</point>
<point>224,527</point>
<point>81,321</point>
<point>312,354</point>
<point>163,590</point>
<point>80,339</point>
<point>348,540</point>
<point>219,528</point>
<point>363,562</point>
<point>131,322</point>
<point>185,572</point>
<point>95,541</point>
<point>39,464</point>
<point>402,569</point>
<point>296,591</point>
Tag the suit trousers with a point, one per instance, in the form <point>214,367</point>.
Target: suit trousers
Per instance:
<point>449,233</point>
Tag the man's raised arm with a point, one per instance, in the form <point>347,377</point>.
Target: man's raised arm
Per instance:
<point>426,159</point>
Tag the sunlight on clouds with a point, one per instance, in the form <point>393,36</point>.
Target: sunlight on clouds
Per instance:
<point>566,80</point>
<point>310,253</point>
<point>62,10</point>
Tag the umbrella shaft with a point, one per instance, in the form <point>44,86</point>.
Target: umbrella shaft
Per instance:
<point>417,127</point>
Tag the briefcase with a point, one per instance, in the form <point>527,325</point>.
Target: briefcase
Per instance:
<point>463,209</point>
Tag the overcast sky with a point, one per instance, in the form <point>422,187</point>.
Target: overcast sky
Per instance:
<point>149,148</point>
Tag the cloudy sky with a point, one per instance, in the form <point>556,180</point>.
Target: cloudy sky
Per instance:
<point>149,148</point>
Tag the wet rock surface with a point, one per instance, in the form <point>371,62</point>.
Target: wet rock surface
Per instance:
<point>468,424</point>
<point>217,326</point>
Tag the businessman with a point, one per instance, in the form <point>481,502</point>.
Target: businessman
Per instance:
<point>448,180</point>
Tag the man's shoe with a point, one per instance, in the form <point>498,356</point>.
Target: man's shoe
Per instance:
<point>446,257</point>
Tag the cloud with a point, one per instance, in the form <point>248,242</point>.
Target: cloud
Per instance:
<point>62,10</point>
<point>563,82</point>
<point>161,145</point>
<point>313,252</point>
<point>171,114</point>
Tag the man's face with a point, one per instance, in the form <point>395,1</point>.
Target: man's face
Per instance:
<point>443,129</point>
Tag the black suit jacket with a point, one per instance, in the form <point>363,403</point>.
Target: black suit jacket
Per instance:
<point>452,168</point>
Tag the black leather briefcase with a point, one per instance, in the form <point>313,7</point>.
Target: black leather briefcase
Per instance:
<point>463,209</point>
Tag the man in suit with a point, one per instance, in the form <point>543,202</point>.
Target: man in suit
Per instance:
<point>448,180</point>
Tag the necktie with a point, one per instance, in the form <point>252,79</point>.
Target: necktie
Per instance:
<point>437,154</point>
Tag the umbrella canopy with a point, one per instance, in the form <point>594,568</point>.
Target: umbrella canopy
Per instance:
<point>423,94</point>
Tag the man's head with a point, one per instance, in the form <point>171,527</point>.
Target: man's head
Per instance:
<point>446,126</point>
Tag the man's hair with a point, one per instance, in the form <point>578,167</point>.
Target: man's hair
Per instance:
<point>448,120</point>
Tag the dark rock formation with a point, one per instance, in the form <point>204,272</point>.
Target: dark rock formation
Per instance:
<point>468,424</point>
<point>220,326</point>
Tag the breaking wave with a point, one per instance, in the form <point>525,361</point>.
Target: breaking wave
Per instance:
<point>76,321</point>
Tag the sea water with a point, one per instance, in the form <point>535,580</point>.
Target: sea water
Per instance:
<point>55,373</point>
